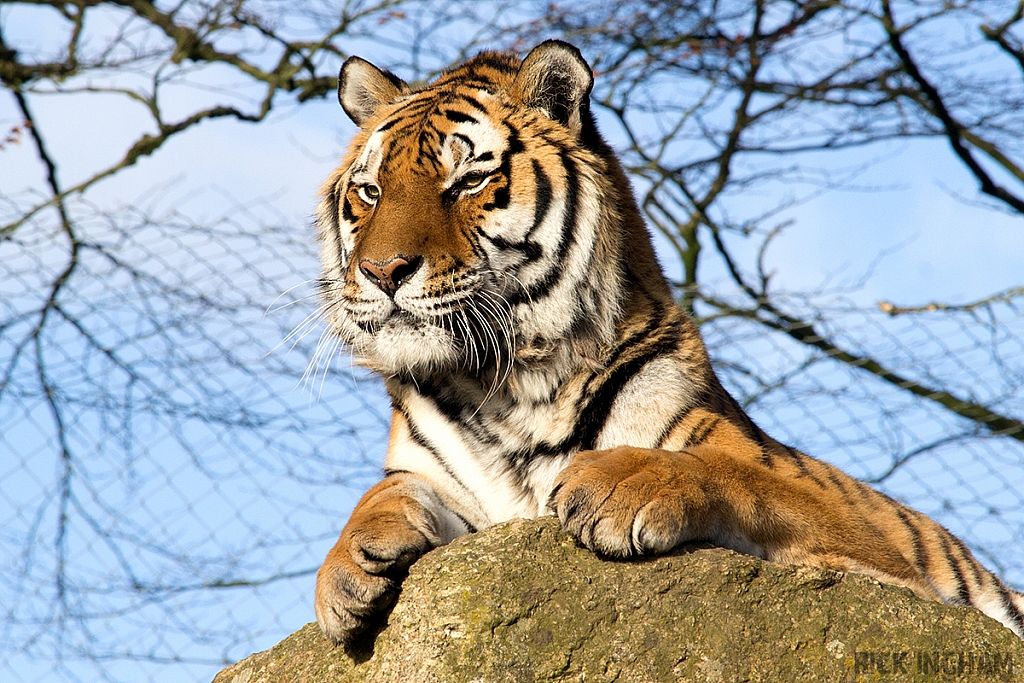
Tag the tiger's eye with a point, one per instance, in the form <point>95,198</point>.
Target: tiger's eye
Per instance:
<point>471,183</point>
<point>369,193</point>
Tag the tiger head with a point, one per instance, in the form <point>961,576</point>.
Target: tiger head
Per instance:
<point>473,220</point>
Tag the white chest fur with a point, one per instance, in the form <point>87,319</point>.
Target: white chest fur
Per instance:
<point>496,459</point>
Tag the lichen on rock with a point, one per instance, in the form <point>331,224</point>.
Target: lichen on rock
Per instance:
<point>521,602</point>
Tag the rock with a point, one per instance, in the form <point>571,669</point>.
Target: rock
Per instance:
<point>521,602</point>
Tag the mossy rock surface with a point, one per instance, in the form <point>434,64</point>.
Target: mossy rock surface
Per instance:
<point>521,602</point>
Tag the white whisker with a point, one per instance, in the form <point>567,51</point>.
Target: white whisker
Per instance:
<point>272,309</point>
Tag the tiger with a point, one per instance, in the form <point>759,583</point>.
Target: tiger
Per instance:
<point>483,252</point>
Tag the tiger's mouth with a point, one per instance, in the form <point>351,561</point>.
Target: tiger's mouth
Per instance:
<point>400,316</point>
<point>395,314</point>
<point>396,317</point>
<point>472,331</point>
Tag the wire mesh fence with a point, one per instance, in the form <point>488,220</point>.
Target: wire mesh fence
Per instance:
<point>172,473</point>
<point>168,483</point>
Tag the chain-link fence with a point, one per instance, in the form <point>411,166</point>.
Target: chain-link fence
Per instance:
<point>170,478</point>
<point>173,467</point>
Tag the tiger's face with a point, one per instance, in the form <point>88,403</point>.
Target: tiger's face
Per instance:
<point>463,220</point>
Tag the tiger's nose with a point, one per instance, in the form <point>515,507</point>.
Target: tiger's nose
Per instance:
<point>391,275</point>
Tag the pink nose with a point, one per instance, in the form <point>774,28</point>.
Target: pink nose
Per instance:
<point>391,275</point>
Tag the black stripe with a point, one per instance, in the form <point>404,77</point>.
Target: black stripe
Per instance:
<point>392,148</point>
<point>499,61</point>
<point>732,408</point>
<point>963,594</point>
<point>593,416</point>
<point>458,117</point>
<point>702,431</point>
<point>452,410</point>
<point>415,104</point>
<point>407,122</point>
<point>698,401</point>
<point>1015,615</point>
<point>799,459</point>
<point>674,422</point>
<point>346,210</point>
<point>869,494</point>
<point>420,440</point>
<point>475,80</point>
<point>593,413</point>
<point>448,404</point>
<point>335,201</point>
<point>474,245</point>
<point>428,141</point>
<point>469,526</point>
<point>566,239</point>
<point>542,203</point>
<point>502,196</point>
<point>976,571</point>
<point>520,461</point>
<point>474,103</point>
<point>921,557</point>
<point>837,481</point>
<point>639,337</point>
<point>389,124</point>
<point>542,197</point>
<point>336,221</point>
<point>500,201</point>
<point>700,424</point>
<point>530,250</point>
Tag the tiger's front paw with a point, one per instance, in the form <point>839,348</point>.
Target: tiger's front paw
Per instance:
<point>363,572</point>
<point>630,501</point>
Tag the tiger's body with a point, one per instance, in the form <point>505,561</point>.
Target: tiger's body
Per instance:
<point>483,252</point>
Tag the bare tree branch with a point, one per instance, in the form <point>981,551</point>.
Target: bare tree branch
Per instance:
<point>953,130</point>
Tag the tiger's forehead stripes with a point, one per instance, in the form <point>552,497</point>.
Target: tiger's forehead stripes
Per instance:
<point>461,96</point>
<point>486,70</point>
<point>434,138</point>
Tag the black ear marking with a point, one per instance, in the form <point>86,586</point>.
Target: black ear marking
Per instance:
<point>557,80</point>
<point>364,88</point>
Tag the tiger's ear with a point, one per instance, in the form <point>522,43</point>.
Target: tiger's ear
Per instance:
<point>363,89</point>
<point>557,80</point>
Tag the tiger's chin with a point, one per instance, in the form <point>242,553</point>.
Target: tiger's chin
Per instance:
<point>404,348</point>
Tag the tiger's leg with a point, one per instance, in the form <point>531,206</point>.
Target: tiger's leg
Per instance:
<point>394,523</point>
<point>632,501</point>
